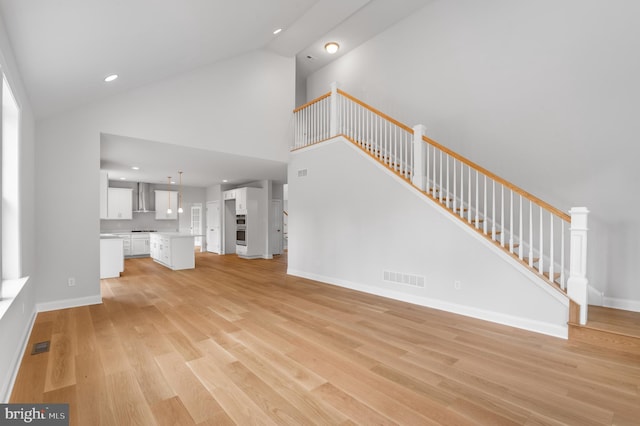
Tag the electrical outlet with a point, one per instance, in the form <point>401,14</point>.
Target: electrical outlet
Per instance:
<point>457,285</point>
<point>71,281</point>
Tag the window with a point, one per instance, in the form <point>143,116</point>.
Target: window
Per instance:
<point>10,215</point>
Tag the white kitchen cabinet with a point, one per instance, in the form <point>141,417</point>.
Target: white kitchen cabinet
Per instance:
<point>126,244</point>
<point>248,204</point>
<point>119,203</point>
<point>140,244</point>
<point>241,200</point>
<point>111,257</point>
<point>173,250</point>
<point>229,195</point>
<point>164,199</point>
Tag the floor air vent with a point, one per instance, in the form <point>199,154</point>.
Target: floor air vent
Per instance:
<point>41,347</point>
<point>406,279</point>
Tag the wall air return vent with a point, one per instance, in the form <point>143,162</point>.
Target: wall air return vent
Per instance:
<point>302,173</point>
<point>405,279</point>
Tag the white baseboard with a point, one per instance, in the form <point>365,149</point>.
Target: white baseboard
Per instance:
<point>7,388</point>
<point>625,304</point>
<point>69,303</point>
<point>595,297</point>
<point>482,314</point>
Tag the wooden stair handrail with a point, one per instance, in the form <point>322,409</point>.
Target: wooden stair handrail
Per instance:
<point>375,111</point>
<point>316,100</point>
<point>562,215</point>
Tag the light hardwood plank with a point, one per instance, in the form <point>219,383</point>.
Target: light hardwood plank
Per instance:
<point>240,342</point>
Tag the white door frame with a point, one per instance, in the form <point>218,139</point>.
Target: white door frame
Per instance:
<point>197,206</point>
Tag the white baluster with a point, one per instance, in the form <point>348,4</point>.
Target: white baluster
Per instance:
<point>455,184</point>
<point>502,215</point>
<point>440,181</point>
<point>493,210</point>
<point>520,248</point>
<point>469,200</point>
<point>541,233</point>
<point>448,196</point>
<point>531,233</point>
<point>461,213</point>
<point>435,167</point>
<point>428,165</point>
<point>511,221</point>
<point>477,217</point>
<point>563,284</point>
<point>486,218</point>
<point>551,244</point>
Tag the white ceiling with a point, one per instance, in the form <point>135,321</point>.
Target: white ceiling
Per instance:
<point>118,154</point>
<point>65,48</point>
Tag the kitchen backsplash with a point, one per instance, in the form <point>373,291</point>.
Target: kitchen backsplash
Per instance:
<point>140,221</point>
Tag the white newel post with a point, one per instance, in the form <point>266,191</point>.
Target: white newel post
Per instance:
<point>419,148</point>
<point>333,119</point>
<point>577,285</point>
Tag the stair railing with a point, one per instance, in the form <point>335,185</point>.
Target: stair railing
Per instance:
<point>548,241</point>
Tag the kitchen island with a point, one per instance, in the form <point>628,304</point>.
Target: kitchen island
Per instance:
<point>111,256</point>
<point>175,250</point>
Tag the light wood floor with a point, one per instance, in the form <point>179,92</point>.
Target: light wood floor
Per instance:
<point>237,341</point>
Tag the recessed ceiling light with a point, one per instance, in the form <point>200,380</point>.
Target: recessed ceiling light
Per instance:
<point>331,47</point>
<point>110,77</point>
<point>224,180</point>
<point>123,178</point>
<point>173,183</point>
<point>135,168</point>
<point>277,31</point>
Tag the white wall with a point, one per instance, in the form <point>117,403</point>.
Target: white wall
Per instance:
<point>242,106</point>
<point>16,322</point>
<point>350,220</point>
<point>543,93</point>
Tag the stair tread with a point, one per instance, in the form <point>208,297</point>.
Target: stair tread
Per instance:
<point>556,275</point>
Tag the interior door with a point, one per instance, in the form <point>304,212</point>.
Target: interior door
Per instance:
<point>275,228</point>
<point>196,223</point>
<point>213,227</point>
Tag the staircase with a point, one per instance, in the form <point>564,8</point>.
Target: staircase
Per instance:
<point>548,242</point>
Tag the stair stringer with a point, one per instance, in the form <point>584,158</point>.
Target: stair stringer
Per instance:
<point>373,220</point>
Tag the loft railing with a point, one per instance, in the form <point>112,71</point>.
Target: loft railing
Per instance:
<point>548,241</point>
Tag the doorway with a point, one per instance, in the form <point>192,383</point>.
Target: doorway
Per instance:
<point>196,224</point>
<point>213,227</point>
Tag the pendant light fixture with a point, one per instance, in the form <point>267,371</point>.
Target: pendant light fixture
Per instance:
<point>169,211</point>
<point>180,195</point>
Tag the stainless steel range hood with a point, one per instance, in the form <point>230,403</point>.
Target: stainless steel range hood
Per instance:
<point>144,199</point>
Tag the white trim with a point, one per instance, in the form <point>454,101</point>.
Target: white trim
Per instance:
<point>7,388</point>
<point>625,304</point>
<point>504,319</point>
<point>10,290</point>
<point>595,296</point>
<point>69,303</point>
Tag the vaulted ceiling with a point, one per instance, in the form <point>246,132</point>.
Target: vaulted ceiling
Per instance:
<point>65,48</point>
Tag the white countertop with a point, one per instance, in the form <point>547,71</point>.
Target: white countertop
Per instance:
<point>110,236</point>
<point>177,234</point>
